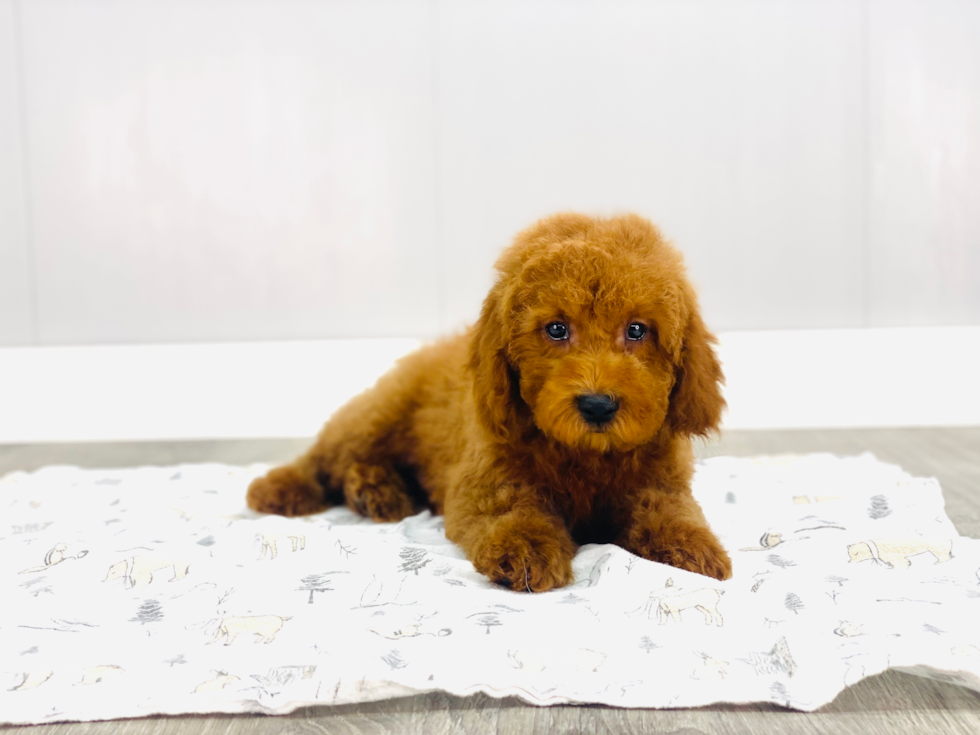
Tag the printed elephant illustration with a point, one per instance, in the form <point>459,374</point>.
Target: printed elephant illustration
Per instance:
<point>264,626</point>
<point>895,553</point>
<point>672,602</point>
<point>138,570</point>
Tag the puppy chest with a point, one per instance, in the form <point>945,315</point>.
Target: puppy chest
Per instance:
<point>599,525</point>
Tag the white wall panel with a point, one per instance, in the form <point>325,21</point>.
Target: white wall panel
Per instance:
<point>220,170</point>
<point>226,170</point>
<point>735,126</point>
<point>15,272</point>
<point>925,162</point>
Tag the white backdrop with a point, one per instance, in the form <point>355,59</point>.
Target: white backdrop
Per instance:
<point>224,170</point>
<point>199,198</point>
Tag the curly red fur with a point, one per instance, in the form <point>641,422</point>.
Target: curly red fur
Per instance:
<point>484,426</point>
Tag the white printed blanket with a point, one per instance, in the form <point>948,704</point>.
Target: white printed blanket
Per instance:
<point>154,590</point>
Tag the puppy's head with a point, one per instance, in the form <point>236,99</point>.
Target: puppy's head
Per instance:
<point>592,335</point>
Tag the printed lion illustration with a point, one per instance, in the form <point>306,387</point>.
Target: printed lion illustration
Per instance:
<point>896,552</point>
<point>704,600</point>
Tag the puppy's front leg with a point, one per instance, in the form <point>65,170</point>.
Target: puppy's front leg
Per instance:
<point>669,527</point>
<point>290,490</point>
<point>511,537</point>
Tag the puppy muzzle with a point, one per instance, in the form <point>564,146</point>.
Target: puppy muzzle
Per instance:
<point>598,410</point>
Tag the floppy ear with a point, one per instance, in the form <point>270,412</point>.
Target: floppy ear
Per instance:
<point>695,401</point>
<point>495,383</point>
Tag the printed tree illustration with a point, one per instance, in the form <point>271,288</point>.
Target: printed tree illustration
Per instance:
<point>412,559</point>
<point>178,659</point>
<point>316,583</point>
<point>344,549</point>
<point>879,507</point>
<point>394,660</point>
<point>779,659</point>
<point>150,612</point>
<point>647,645</point>
<point>777,560</point>
<point>489,619</point>
<point>779,693</point>
<point>794,603</point>
<point>730,497</point>
<point>838,580</point>
<point>782,656</point>
<point>37,580</point>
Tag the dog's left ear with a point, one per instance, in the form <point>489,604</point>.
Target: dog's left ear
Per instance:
<point>695,401</point>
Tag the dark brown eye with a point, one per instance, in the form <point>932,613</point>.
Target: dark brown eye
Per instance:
<point>635,332</point>
<point>557,331</point>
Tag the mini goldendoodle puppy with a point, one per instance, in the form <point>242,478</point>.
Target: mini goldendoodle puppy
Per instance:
<point>563,417</point>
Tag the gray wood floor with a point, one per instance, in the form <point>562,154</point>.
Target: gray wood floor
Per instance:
<point>889,703</point>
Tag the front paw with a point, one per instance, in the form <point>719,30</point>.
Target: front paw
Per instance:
<point>377,493</point>
<point>711,561</point>
<point>694,549</point>
<point>285,491</point>
<point>525,560</point>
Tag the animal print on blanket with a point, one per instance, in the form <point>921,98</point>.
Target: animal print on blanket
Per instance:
<point>135,592</point>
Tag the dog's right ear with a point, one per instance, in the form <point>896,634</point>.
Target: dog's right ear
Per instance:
<point>495,389</point>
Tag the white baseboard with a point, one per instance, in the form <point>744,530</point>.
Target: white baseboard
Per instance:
<point>848,378</point>
<point>775,379</point>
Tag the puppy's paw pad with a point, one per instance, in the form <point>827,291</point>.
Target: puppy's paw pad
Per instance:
<point>287,492</point>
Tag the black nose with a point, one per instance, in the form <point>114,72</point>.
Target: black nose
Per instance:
<point>597,410</point>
